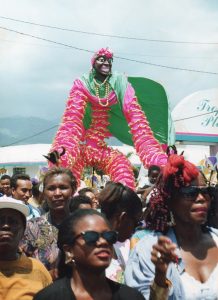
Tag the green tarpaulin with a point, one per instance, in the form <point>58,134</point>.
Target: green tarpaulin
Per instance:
<point>152,97</point>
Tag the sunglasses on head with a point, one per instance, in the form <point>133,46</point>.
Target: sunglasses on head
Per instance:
<point>91,237</point>
<point>102,59</point>
<point>193,191</point>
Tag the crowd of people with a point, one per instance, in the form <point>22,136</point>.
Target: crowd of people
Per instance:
<point>59,240</point>
<point>108,245</point>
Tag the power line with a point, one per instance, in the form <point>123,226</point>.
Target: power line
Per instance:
<point>31,136</point>
<point>119,57</point>
<point>47,40</point>
<point>122,53</point>
<point>110,35</point>
<point>34,44</point>
<point>48,129</point>
<point>196,116</point>
<point>167,67</point>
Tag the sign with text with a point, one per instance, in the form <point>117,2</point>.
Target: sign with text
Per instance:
<point>196,117</point>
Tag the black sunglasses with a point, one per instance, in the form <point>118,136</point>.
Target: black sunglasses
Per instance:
<point>193,191</point>
<point>91,237</point>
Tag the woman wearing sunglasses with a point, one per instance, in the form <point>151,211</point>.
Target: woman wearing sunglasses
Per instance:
<point>85,240</point>
<point>178,259</point>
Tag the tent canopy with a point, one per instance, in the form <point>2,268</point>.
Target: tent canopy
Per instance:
<point>33,154</point>
<point>24,155</point>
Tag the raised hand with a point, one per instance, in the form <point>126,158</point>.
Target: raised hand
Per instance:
<point>162,254</point>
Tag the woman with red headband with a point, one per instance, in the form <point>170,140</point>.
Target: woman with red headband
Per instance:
<point>178,258</point>
<point>94,100</point>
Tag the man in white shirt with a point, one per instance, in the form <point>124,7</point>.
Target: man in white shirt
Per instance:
<point>22,190</point>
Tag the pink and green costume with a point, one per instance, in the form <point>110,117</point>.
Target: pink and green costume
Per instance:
<point>87,121</point>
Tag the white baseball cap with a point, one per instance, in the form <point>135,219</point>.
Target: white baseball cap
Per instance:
<point>9,202</point>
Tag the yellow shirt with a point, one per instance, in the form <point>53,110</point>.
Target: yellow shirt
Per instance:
<point>21,279</point>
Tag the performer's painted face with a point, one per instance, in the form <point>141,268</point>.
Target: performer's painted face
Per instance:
<point>103,65</point>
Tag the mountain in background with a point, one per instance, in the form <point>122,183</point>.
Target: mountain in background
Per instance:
<point>23,130</point>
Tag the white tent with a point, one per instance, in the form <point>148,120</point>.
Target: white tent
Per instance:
<point>24,158</point>
<point>33,154</point>
<point>23,154</point>
<point>196,124</point>
<point>196,117</point>
<point>29,158</point>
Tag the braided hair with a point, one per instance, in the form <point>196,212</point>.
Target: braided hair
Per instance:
<point>177,173</point>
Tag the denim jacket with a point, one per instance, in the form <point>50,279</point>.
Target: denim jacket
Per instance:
<point>140,270</point>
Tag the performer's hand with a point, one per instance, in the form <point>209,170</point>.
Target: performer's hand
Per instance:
<point>54,156</point>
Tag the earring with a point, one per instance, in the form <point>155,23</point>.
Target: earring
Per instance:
<point>172,222</point>
<point>68,258</point>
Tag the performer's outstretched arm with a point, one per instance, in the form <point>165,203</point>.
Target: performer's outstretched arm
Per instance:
<point>71,130</point>
<point>147,147</point>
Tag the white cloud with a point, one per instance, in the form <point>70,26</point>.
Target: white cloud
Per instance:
<point>38,70</point>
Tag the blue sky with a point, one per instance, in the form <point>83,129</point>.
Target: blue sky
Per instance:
<point>36,76</point>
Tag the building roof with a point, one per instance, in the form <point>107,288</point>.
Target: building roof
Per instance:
<point>24,155</point>
<point>33,154</point>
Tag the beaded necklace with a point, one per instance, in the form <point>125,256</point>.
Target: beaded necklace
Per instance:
<point>107,90</point>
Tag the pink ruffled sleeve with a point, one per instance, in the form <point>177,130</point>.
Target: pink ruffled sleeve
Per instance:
<point>147,147</point>
<point>71,130</point>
